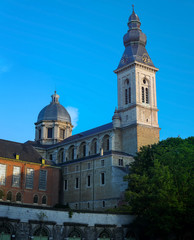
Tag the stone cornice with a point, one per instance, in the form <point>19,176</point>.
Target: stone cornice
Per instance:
<point>138,105</point>
<point>138,64</point>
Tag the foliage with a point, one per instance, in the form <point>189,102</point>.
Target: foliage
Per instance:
<point>161,188</point>
<point>41,216</point>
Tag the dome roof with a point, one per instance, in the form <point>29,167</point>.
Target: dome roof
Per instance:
<point>54,111</point>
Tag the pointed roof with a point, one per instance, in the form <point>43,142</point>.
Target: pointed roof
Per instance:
<point>135,41</point>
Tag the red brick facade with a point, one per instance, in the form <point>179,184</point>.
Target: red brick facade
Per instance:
<point>51,191</point>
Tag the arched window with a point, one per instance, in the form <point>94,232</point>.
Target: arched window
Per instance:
<point>82,150</point>
<point>147,96</point>
<point>75,234</point>
<point>104,235</point>
<point>126,97</point>
<point>60,155</point>
<point>44,200</point>
<point>18,197</point>
<point>93,149</point>
<point>71,152</point>
<point>145,91</point>
<point>9,196</point>
<point>129,95</point>
<point>142,92</point>
<point>106,143</point>
<point>42,231</point>
<point>130,236</point>
<point>35,199</point>
<point>1,195</point>
<point>127,92</point>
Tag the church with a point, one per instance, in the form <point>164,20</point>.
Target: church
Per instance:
<point>85,171</point>
<point>94,162</point>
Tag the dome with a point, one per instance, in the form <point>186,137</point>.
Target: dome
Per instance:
<point>54,111</point>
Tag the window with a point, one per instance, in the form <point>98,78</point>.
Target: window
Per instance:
<point>84,150</point>
<point>51,157</point>
<point>77,168</point>
<point>9,196</point>
<point>44,200</point>
<point>107,144</point>
<point>129,95</point>
<point>18,197</point>
<point>29,178</point>
<point>65,170</point>
<point>88,205</point>
<point>89,181</point>
<point>35,199</point>
<point>62,133</point>
<point>120,162</point>
<point>126,97</point>
<point>147,96</point>
<point>16,176</point>
<point>60,156</point>
<point>103,204</point>
<point>65,185</point>
<point>142,92</point>
<point>102,178</point>
<point>42,180</point>
<point>95,147</point>
<point>39,134</point>
<point>1,195</point>
<point>2,174</point>
<point>77,183</point>
<point>71,153</point>
<point>102,163</point>
<point>50,133</point>
<point>89,165</point>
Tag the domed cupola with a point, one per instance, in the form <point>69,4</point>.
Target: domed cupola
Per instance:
<point>134,41</point>
<point>53,123</point>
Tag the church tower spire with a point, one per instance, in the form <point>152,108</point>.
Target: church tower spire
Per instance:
<point>137,106</point>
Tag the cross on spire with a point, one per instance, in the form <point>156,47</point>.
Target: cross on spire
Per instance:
<point>133,7</point>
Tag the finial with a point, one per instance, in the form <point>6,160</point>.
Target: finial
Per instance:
<point>55,91</point>
<point>133,7</point>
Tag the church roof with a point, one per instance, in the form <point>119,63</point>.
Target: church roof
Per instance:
<point>26,152</point>
<point>76,137</point>
<point>54,111</point>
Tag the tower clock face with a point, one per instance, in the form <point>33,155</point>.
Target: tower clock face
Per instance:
<point>145,58</point>
<point>124,59</point>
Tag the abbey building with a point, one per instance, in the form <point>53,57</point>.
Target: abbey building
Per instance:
<point>93,163</point>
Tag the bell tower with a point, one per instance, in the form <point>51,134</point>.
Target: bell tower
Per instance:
<point>136,84</point>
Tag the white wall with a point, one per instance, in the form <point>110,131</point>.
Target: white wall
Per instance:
<point>25,214</point>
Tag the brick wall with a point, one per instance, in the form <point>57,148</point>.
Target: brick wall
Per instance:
<point>52,187</point>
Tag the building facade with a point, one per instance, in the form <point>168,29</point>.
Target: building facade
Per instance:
<point>94,162</point>
<point>86,170</point>
<point>27,178</point>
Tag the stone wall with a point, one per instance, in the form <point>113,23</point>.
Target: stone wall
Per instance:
<point>147,135</point>
<point>23,223</point>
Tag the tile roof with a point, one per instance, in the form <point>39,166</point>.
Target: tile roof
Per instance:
<point>26,152</point>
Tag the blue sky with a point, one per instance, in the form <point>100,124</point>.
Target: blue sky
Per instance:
<point>74,46</point>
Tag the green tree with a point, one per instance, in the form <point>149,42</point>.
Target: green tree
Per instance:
<point>161,189</point>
